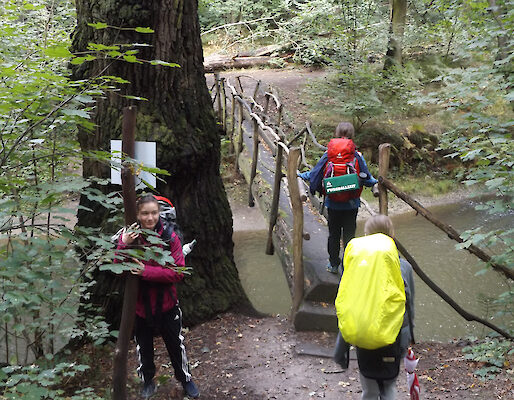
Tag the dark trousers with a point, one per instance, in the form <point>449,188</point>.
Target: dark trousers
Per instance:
<point>170,329</point>
<point>337,220</point>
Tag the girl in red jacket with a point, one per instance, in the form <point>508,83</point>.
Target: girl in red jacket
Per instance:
<point>157,307</point>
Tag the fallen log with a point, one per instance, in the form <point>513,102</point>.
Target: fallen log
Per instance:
<point>222,63</point>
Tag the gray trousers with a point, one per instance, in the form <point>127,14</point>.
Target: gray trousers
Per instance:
<point>371,389</point>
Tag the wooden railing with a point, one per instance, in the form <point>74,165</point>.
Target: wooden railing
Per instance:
<point>271,127</point>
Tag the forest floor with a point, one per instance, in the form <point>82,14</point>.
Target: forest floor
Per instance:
<point>234,356</point>
<point>240,357</point>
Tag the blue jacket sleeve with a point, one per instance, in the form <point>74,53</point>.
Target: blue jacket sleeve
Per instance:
<point>364,168</point>
<point>306,176</point>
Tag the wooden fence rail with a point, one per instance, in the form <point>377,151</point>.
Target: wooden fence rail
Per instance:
<point>260,119</point>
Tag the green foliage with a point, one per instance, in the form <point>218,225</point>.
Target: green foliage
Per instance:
<point>243,21</point>
<point>34,382</point>
<point>213,13</point>
<point>362,94</point>
<point>334,32</point>
<point>493,353</point>
<point>46,263</point>
<point>479,99</point>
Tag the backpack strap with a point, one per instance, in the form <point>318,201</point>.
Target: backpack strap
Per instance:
<point>350,167</point>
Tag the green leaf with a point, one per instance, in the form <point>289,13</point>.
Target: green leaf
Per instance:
<point>78,113</point>
<point>58,52</point>
<point>155,170</point>
<point>135,98</point>
<point>98,25</point>
<point>494,183</point>
<point>144,30</point>
<point>101,47</point>
<point>131,59</point>
<point>78,60</point>
<point>164,63</point>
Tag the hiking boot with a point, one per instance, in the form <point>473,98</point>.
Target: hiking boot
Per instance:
<point>149,390</point>
<point>331,269</point>
<point>191,390</point>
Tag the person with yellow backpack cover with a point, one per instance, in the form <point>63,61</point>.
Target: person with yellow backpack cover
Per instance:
<point>375,307</point>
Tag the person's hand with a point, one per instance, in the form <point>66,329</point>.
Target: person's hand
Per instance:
<point>137,271</point>
<point>374,189</point>
<point>129,234</point>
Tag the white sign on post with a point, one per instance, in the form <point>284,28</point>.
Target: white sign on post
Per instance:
<point>145,153</point>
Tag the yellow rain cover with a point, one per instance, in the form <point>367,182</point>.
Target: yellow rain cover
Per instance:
<point>370,301</point>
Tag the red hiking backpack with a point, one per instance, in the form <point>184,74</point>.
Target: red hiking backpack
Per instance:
<point>342,161</point>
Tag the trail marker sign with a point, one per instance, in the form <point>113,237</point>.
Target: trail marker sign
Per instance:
<point>145,153</point>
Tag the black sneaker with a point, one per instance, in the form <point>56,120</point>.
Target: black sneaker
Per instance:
<point>149,390</point>
<point>191,390</point>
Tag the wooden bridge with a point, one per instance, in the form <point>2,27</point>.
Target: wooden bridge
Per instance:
<point>268,147</point>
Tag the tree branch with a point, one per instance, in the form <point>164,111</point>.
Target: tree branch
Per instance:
<point>236,23</point>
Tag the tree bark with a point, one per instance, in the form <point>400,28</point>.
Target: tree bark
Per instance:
<point>396,30</point>
<point>179,117</point>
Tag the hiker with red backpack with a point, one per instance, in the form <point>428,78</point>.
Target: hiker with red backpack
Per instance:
<point>375,308</point>
<point>157,309</point>
<point>340,159</point>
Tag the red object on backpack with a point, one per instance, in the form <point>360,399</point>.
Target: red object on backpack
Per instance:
<point>165,199</point>
<point>341,153</point>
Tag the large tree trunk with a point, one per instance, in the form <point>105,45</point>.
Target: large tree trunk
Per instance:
<point>396,30</point>
<point>179,117</point>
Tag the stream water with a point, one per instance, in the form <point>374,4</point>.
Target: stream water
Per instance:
<point>454,271</point>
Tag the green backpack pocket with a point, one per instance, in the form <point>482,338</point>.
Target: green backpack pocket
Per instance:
<point>341,183</point>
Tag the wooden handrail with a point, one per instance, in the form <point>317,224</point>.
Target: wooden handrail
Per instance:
<point>275,99</point>
<point>308,126</point>
<point>449,230</point>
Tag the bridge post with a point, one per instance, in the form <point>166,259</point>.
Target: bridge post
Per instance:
<point>233,123</point>
<point>239,146</point>
<point>276,197</point>
<point>255,159</point>
<point>384,151</point>
<point>255,93</point>
<point>224,104</point>
<point>296,204</point>
<point>218,94</point>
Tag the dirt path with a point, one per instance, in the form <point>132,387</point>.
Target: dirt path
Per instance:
<point>288,82</point>
<point>239,357</point>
